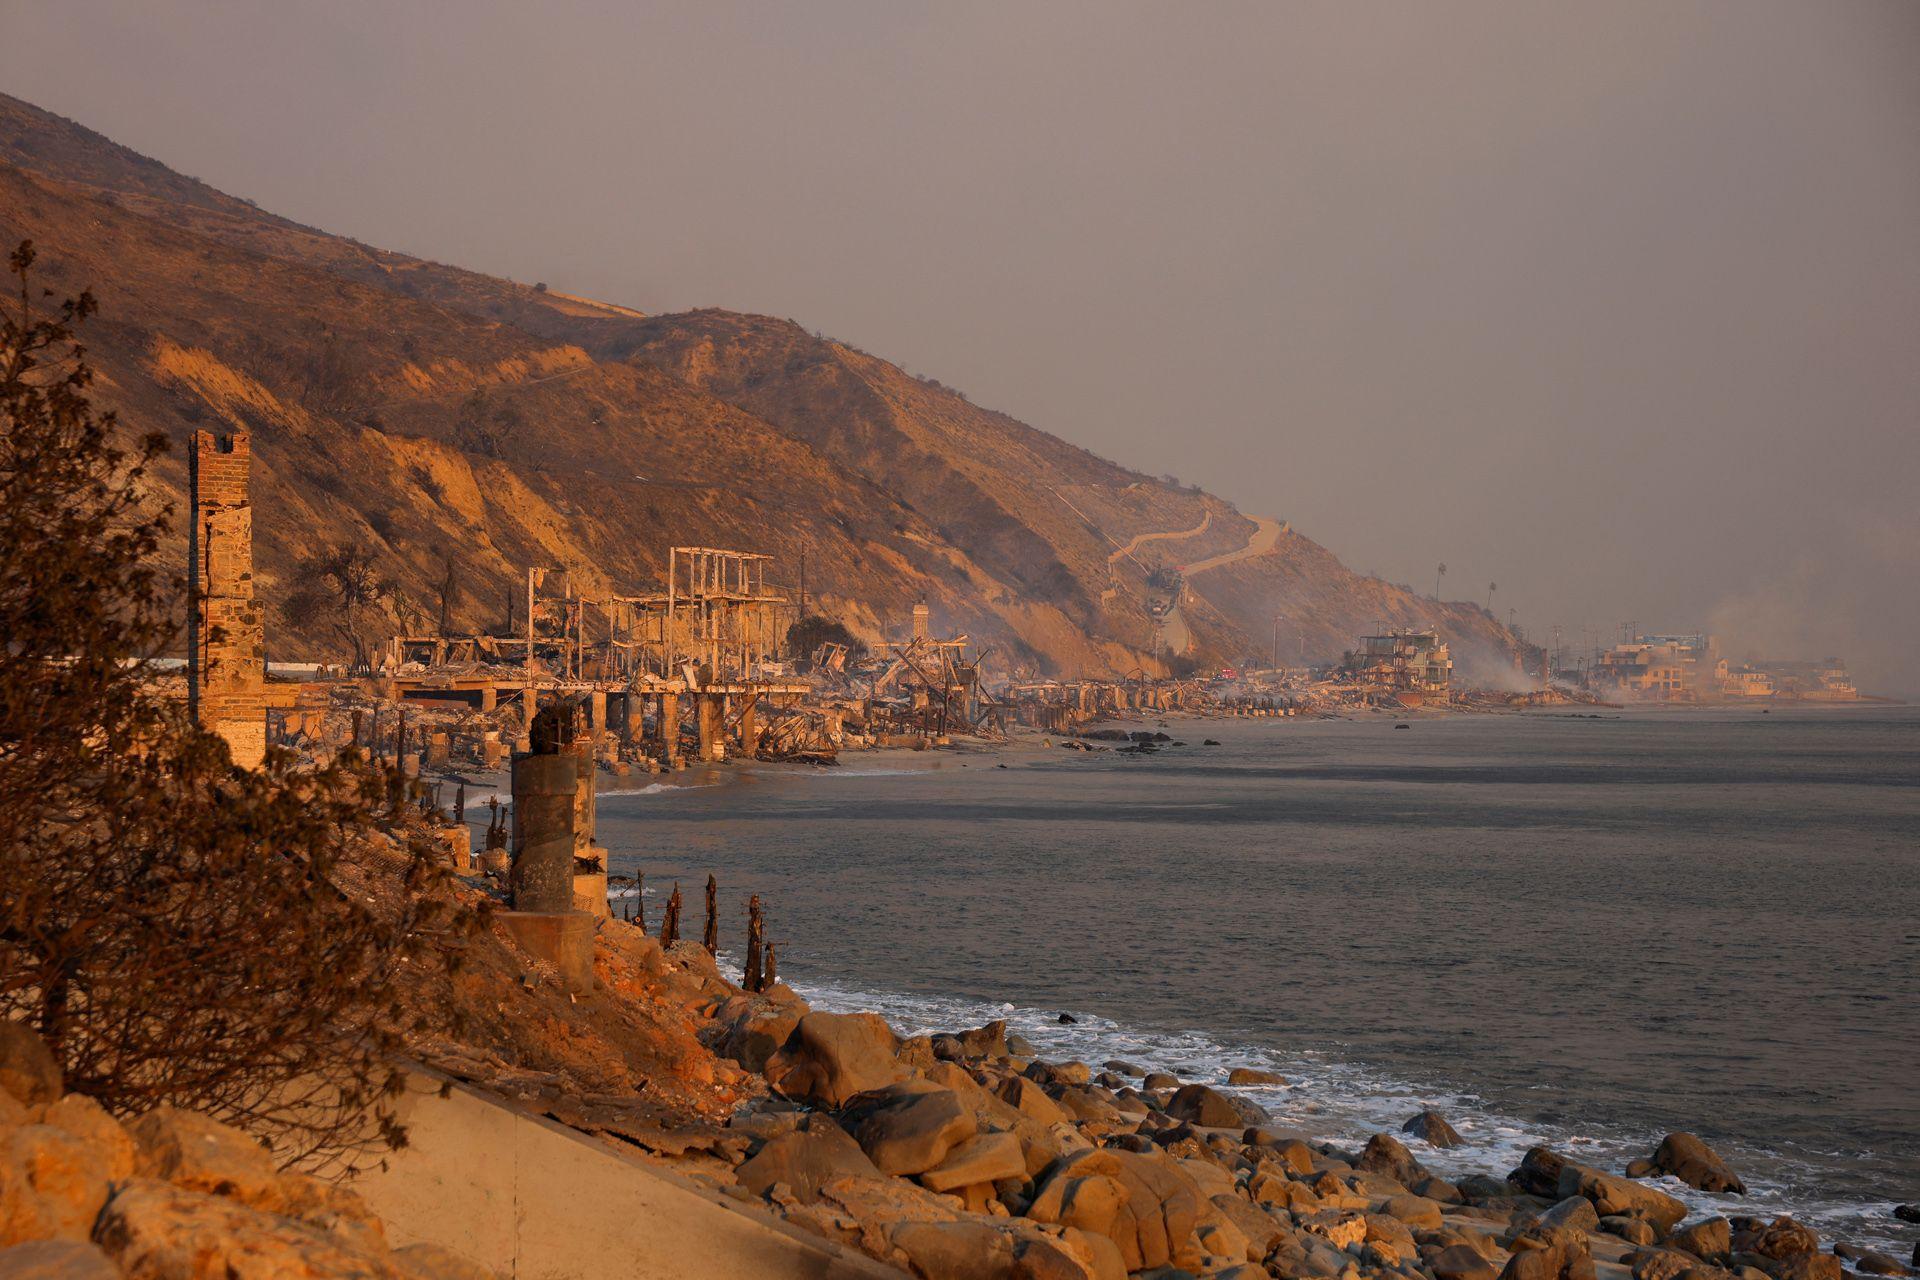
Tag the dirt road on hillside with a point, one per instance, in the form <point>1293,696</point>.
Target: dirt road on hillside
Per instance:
<point>1141,539</point>
<point>1264,539</point>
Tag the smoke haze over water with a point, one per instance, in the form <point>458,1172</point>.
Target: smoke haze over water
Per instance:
<point>1862,604</point>
<point>1616,304</point>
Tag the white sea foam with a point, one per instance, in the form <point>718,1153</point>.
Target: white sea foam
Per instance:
<point>1346,1102</point>
<point>653,789</point>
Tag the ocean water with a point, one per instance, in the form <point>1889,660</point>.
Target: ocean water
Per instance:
<point>1555,928</point>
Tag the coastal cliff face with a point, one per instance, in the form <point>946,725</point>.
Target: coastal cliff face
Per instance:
<point>456,424</point>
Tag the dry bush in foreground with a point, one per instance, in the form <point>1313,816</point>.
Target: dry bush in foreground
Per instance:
<point>178,930</point>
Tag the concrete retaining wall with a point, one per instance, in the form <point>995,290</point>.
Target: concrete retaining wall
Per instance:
<point>535,1200</point>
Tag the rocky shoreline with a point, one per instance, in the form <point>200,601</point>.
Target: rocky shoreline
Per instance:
<point>965,1154</point>
<point>955,1155</point>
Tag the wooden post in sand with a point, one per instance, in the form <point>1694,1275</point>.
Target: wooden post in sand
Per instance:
<point>750,980</point>
<point>712,939</point>
<point>670,927</point>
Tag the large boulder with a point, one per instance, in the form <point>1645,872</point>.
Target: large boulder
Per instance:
<point>1782,1238</point>
<point>1145,1203</point>
<point>1341,1228</point>
<point>1059,1073</point>
<point>1572,1221</point>
<point>1084,1105</point>
<point>1388,1156</point>
<point>1866,1261</point>
<point>27,1068</point>
<point>1415,1211</point>
<point>1538,1174</point>
<point>1029,1099</point>
<point>56,1260</point>
<point>152,1229</point>
<point>1696,1164</point>
<point>1262,1229</point>
<point>985,1157</point>
<point>1292,1152</point>
<point>52,1185</point>
<point>1611,1195</point>
<point>1255,1077</point>
<point>1460,1262</point>
<point>88,1121</point>
<point>1478,1188</point>
<point>752,1030</point>
<point>1805,1266</point>
<point>1556,1262</point>
<point>806,1160</point>
<point>989,1041</point>
<point>830,1057</point>
<point>907,1128</point>
<point>1660,1264</point>
<point>1709,1240</point>
<point>979,1250</point>
<point>1198,1104</point>
<point>1632,1230</point>
<point>201,1154</point>
<point>1040,1140</point>
<point>1432,1128</point>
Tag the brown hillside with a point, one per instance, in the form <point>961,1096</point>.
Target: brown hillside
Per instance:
<point>427,412</point>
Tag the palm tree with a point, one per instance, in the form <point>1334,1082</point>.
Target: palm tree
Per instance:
<point>1491,588</point>
<point>1441,573</point>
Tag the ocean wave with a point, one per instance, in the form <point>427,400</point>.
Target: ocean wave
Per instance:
<point>1344,1102</point>
<point>654,789</point>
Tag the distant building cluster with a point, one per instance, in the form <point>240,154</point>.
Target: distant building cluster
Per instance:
<point>1691,668</point>
<point>1404,661</point>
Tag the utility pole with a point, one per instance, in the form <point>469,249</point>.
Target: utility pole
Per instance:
<point>533,577</point>
<point>1276,640</point>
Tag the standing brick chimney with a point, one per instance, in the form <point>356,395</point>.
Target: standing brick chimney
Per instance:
<point>227,656</point>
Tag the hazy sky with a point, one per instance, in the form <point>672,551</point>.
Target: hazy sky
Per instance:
<point>1617,304</point>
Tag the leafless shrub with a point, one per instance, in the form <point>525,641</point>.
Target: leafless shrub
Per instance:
<point>177,930</point>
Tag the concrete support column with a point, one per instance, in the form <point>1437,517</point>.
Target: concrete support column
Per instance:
<point>749,728</point>
<point>669,727</point>
<point>583,798</point>
<point>489,697</point>
<point>636,719</point>
<point>545,794</point>
<point>709,710</point>
<point>597,714</point>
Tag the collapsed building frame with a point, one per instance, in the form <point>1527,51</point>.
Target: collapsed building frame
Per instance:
<point>713,636</point>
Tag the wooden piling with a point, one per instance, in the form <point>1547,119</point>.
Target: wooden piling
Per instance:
<point>712,939</point>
